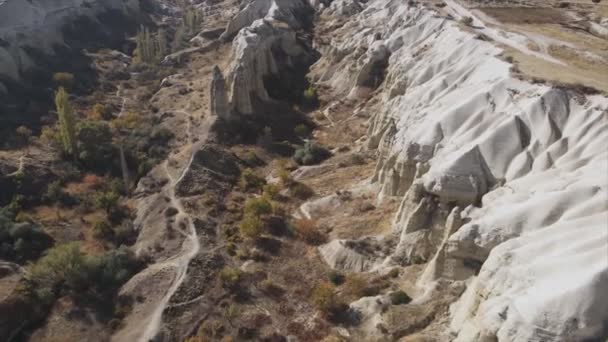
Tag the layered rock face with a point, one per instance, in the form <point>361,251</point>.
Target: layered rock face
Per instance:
<point>266,47</point>
<point>528,163</point>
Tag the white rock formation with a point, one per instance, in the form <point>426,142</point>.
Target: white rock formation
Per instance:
<point>38,23</point>
<point>257,46</point>
<point>531,159</point>
<point>283,10</point>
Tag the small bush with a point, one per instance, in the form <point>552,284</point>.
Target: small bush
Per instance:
<point>102,230</point>
<point>324,299</point>
<point>394,273</point>
<point>301,191</point>
<point>310,97</point>
<point>257,206</point>
<point>128,121</point>
<point>308,231</point>
<point>400,297</point>
<point>335,277</point>
<point>249,181</point>
<point>21,241</point>
<point>270,192</point>
<point>99,112</point>
<point>50,136</point>
<point>63,79</point>
<point>301,130</point>
<point>310,154</point>
<point>108,201</point>
<point>231,277</point>
<point>284,175</point>
<point>466,20</point>
<point>251,227</point>
<point>252,159</point>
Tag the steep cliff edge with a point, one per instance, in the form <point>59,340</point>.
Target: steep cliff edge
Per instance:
<point>454,129</point>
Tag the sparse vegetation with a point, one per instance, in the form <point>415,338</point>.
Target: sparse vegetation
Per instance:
<point>231,277</point>
<point>335,277</point>
<point>21,241</point>
<point>325,299</point>
<point>310,97</point>
<point>95,148</point>
<point>308,231</point>
<point>399,297</point>
<point>249,181</point>
<point>251,227</point>
<point>310,154</point>
<point>466,20</point>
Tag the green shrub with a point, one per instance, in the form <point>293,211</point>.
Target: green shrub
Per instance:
<point>107,272</point>
<point>310,154</point>
<point>394,273</point>
<point>251,227</point>
<point>95,148</point>
<point>64,269</point>
<point>300,190</point>
<point>257,206</point>
<point>335,277</point>
<point>310,96</point>
<point>466,20</point>
<point>102,230</point>
<point>324,299</point>
<point>231,277</point>
<point>301,130</point>
<point>252,159</point>
<point>249,181</point>
<point>108,201</point>
<point>125,234</point>
<point>21,241</point>
<point>270,192</point>
<point>400,297</point>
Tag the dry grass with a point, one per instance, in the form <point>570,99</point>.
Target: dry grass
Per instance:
<point>519,15</point>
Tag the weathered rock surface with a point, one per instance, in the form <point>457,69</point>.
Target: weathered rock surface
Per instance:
<point>265,48</point>
<point>530,158</point>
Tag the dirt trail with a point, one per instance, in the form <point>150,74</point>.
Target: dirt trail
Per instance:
<point>191,245</point>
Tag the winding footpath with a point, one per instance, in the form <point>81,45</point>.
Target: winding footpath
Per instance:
<point>191,245</point>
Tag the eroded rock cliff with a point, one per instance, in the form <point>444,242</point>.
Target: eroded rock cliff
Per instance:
<point>527,162</point>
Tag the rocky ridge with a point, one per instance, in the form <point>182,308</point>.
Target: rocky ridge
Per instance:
<point>503,182</point>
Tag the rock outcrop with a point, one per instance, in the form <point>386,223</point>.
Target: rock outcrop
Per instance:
<point>266,47</point>
<point>528,162</point>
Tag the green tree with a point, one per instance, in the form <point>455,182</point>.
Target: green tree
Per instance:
<point>95,144</point>
<point>67,122</point>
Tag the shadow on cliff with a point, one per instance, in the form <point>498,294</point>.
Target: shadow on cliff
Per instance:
<point>27,101</point>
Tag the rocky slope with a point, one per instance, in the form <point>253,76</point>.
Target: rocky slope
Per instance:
<point>521,168</point>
